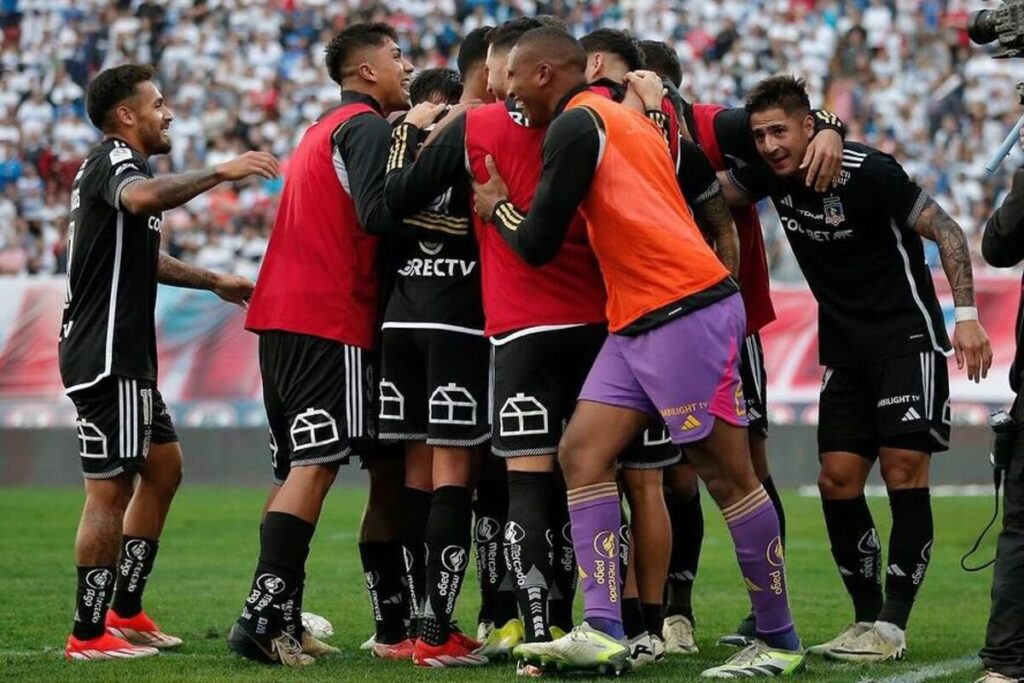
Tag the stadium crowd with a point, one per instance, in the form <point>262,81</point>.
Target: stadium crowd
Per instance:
<point>246,74</point>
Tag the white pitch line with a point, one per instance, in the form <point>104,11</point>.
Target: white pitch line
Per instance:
<point>927,673</point>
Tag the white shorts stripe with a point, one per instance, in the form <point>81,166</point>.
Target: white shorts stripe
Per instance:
<point>359,390</point>
<point>120,418</point>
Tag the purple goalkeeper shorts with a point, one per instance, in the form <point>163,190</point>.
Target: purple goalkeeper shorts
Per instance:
<point>685,371</point>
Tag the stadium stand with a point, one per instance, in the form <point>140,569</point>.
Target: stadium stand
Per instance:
<point>246,74</point>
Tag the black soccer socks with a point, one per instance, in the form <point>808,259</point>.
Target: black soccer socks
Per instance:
<point>687,519</point>
<point>910,551</point>
<point>415,512</point>
<point>857,552</point>
<point>95,586</point>
<point>527,555</point>
<point>284,546</point>
<point>491,506</point>
<point>564,573</point>
<point>773,493</point>
<point>383,569</point>
<point>447,540</point>
<point>137,558</point>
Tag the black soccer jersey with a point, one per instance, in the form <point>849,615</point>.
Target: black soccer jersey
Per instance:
<point>437,283</point>
<point>862,259</point>
<point>108,326</point>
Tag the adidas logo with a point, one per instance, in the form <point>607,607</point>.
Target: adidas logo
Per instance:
<point>911,415</point>
<point>690,423</point>
<point>895,570</point>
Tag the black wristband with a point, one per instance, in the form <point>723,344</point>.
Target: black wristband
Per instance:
<point>826,120</point>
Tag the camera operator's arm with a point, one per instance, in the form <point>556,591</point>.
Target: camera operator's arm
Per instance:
<point>1002,245</point>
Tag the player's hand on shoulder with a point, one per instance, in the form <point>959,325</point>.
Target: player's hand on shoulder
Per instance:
<point>823,160</point>
<point>453,114</point>
<point>262,164</point>
<point>234,289</point>
<point>972,348</point>
<point>648,87</point>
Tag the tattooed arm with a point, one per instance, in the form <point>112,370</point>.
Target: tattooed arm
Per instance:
<point>969,339</point>
<point>715,221</point>
<point>154,195</point>
<point>231,288</point>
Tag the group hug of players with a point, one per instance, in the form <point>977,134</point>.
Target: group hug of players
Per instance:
<point>537,291</point>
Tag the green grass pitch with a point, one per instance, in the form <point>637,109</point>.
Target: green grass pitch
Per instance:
<point>209,549</point>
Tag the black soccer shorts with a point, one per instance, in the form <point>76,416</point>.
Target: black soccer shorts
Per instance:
<point>434,387</point>
<point>320,398</point>
<point>902,402</point>
<point>537,379</point>
<point>755,385</point>
<point>118,419</point>
<point>653,451</point>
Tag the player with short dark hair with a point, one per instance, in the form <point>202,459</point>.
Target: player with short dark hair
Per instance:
<point>668,298</point>
<point>660,58</point>
<point>108,360</point>
<point>882,340</point>
<point>609,44</point>
<point>439,86</point>
<point>725,138</point>
<point>316,308</point>
<point>472,60</point>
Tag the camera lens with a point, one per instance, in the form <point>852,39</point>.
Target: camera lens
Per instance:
<point>981,26</point>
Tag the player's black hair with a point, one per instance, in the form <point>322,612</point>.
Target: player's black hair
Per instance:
<point>440,81</point>
<point>788,93</point>
<point>505,36</point>
<point>473,50</point>
<point>660,58</point>
<point>551,21</point>
<point>618,43</point>
<point>110,88</point>
<point>357,36</point>
<point>557,44</point>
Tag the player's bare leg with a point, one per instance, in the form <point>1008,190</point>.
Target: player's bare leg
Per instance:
<point>143,524</point>
<point>97,545</point>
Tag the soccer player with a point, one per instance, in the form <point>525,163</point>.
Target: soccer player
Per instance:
<point>613,55</point>
<point>316,310</point>
<point>676,322</point>
<point>885,391</point>
<point>108,359</point>
<point>725,138</point>
<point>434,398</point>
<point>545,326</point>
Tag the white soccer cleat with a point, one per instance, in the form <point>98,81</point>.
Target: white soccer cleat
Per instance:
<point>496,643</point>
<point>876,644</point>
<point>318,626</point>
<point>582,649</point>
<point>845,637</point>
<point>757,660</point>
<point>641,650</point>
<point>678,633</point>
<point>369,643</point>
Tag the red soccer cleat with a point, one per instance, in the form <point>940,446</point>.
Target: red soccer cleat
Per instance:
<point>456,651</point>
<point>400,651</point>
<point>140,630</point>
<point>105,646</point>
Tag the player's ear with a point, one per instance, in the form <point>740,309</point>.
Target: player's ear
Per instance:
<point>367,72</point>
<point>543,74</point>
<point>124,115</point>
<point>808,126</point>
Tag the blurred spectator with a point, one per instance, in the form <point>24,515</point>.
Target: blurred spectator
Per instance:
<point>243,74</point>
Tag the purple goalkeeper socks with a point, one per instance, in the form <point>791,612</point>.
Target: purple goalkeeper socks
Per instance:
<point>596,518</point>
<point>754,526</point>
